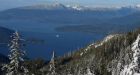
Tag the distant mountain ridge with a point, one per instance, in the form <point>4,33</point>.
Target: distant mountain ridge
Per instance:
<point>45,6</point>
<point>55,6</point>
<point>73,12</point>
<point>70,15</point>
<point>62,16</point>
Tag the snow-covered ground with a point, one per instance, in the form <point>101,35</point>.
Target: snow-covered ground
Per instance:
<point>134,67</point>
<point>98,44</point>
<point>106,39</point>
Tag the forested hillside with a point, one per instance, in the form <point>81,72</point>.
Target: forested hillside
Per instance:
<point>108,57</point>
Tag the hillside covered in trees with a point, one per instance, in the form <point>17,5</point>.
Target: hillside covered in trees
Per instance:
<point>117,54</point>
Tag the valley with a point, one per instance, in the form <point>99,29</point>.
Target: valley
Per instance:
<point>76,27</point>
<point>69,37</point>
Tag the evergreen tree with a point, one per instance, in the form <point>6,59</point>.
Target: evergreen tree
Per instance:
<point>52,65</point>
<point>16,57</point>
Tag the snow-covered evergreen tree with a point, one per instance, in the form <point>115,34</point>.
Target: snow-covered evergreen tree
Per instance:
<point>16,57</point>
<point>52,65</point>
<point>134,67</point>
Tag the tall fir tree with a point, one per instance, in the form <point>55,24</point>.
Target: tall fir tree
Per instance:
<point>16,57</point>
<point>52,64</point>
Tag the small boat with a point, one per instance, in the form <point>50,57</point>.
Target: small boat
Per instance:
<point>57,36</point>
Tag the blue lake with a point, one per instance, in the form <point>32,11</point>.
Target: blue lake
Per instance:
<point>60,42</point>
<point>64,43</point>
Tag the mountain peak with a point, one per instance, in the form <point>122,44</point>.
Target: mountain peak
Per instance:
<point>75,7</point>
<point>59,6</point>
<point>55,6</point>
<point>46,6</point>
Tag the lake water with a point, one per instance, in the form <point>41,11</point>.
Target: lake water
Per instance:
<point>60,42</point>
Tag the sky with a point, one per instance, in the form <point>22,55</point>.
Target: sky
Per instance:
<point>7,4</point>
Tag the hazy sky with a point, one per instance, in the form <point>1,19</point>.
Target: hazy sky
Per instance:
<point>5,4</point>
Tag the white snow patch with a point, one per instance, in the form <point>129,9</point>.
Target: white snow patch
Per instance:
<point>81,54</point>
<point>105,40</point>
<point>86,49</point>
<point>77,8</point>
<point>89,72</point>
<point>99,45</point>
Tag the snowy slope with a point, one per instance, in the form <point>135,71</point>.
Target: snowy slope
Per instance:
<point>134,67</point>
<point>106,39</point>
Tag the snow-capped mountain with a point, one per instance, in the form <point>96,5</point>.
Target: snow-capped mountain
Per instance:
<point>46,6</point>
<point>138,5</point>
<point>55,6</point>
<point>76,7</point>
<point>59,6</point>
